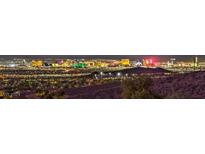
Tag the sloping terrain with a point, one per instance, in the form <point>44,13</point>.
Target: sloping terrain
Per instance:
<point>179,86</point>
<point>190,85</point>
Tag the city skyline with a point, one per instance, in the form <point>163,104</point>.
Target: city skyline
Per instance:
<point>159,58</point>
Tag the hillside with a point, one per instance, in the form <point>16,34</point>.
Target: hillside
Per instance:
<point>190,85</point>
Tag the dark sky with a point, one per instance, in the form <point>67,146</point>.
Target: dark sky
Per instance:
<point>131,57</point>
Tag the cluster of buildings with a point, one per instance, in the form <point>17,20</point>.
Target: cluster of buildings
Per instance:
<point>75,63</point>
<point>81,63</point>
<point>174,63</point>
<point>13,63</point>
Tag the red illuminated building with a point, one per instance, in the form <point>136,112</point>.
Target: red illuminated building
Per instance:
<point>148,62</point>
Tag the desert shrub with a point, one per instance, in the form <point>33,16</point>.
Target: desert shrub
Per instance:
<point>137,88</point>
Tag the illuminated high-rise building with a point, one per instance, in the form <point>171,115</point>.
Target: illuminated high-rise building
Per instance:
<point>172,61</point>
<point>196,63</point>
<point>90,63</point>
<point>37,63</point>
<point>125,62</point>
<point>148,62</point>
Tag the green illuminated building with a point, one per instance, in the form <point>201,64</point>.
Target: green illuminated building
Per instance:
<point>79,65</point>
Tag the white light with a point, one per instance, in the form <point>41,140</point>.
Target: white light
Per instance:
<point>101,73</point>
<point>138,64</point>
<point>118,74</point>
<point>12,65</point>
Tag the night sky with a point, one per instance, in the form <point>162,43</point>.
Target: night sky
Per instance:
<point>131,57</point>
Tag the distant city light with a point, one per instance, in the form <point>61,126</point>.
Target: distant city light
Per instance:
<point>12,65</point>
<point>138,64</point>
<point>148,62</point>
<point>118,74</point>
